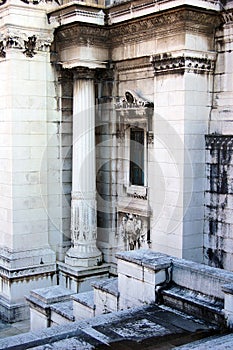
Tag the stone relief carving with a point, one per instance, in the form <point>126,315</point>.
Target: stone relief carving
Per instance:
<point>131,230</point>
<point>21,41</point>
<point>133,100</point>
<point>30,46</point>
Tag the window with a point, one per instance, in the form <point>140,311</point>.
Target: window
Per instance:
<point>137,156</point>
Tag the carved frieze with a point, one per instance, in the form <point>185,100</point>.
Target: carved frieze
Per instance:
<point>167,63</point>
<point>79,34</point>
<point>138,30</point>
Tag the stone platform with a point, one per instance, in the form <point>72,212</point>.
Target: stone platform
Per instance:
<point>145,327</point>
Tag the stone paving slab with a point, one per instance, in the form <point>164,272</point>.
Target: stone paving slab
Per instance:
<point>10,329</point>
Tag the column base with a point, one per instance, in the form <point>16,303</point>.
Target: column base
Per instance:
<point>83,259</point>
<point>80,279</point>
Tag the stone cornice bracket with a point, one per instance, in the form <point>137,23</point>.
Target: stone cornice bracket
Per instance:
<point>166,63</point>
<point>219,142</point>
<point>84,73</point>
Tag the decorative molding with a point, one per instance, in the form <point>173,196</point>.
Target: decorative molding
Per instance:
<point>27,272</point>
<point>219,142</point>
<point>166,63</point>
<point>138,30</point>
<point>80,34</point>
<point>133,64</point>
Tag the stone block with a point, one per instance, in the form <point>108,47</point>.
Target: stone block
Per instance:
<point>83,305</point>
<point>128,269</point>
<point>37,320</point>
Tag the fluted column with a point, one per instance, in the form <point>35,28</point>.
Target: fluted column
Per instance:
<point>83,205</point>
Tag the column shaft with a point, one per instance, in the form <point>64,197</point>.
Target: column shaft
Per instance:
<point>83,206</point>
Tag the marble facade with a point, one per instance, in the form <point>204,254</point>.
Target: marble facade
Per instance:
<point>77,80</point>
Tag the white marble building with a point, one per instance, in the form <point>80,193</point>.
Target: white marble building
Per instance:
<point>116,134</point>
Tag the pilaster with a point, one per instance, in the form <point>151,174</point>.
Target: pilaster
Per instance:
<point>183,85</point>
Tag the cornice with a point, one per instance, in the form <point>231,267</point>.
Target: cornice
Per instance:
<point>168,63</point>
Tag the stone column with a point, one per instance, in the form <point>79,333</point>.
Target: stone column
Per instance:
<point>83,205</point>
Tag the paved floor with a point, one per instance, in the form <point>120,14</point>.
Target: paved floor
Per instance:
<point>7,330</point>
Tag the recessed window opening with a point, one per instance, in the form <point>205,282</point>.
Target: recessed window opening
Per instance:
<point>137,156</point>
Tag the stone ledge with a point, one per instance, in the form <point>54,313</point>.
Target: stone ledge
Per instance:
<point>65,309</point>
<point>85,298</point>
<point>109,286</point>
<point>51,295</point>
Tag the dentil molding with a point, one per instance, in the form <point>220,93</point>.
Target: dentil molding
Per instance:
<point>167,63</point>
